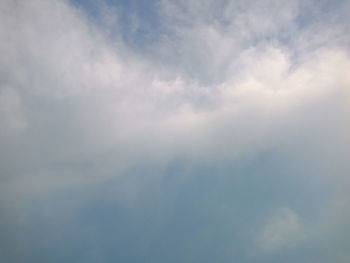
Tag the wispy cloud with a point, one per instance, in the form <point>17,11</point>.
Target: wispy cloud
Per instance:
<point>283,229</point>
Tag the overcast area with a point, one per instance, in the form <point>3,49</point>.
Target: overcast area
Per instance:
<point>168,131</point>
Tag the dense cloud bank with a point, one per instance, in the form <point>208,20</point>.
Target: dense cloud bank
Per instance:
<point>174,131</point>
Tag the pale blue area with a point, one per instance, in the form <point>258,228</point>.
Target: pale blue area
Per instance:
<point>191,213</point>
<point>149,25</point>
<point>192,60</point>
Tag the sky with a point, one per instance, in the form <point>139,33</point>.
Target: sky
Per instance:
<point>175,131</point>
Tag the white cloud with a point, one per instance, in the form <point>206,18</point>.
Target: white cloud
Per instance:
<point>219,85</point>
<point>100,97</point>
<point>282,230</point>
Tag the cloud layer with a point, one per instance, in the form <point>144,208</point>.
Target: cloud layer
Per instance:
<point>185,131</point>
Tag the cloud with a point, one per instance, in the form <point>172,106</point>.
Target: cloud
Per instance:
<point>283,229</point>
<point>225,113</point>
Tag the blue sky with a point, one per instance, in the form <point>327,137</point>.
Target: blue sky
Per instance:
<point>174,131</point>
